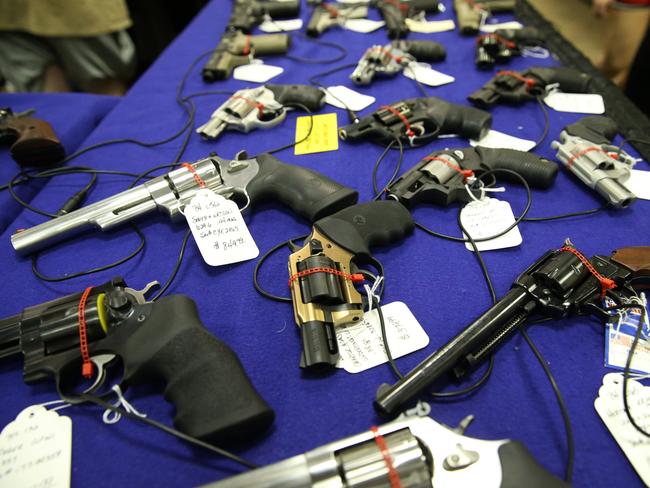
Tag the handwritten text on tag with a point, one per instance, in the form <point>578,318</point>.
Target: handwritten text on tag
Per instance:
<point>489,217</point>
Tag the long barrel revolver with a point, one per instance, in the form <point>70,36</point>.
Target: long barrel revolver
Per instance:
<point>501,45</point>
<point>414,452</point>
<point>559,283</point>
<point>417,121</point>
<point>392,58</point>
<point>246,14</point>
<point>32,140</point>
<point>261,108</point>
<point>162,340</point>
<point>323,271</point>
<point>308,193</point>
<point>444,177</point>
<point>470,13</point>
<point>515,87</point>
<point>395,13</point>
<point>585,148</point>
<point>326,15</point>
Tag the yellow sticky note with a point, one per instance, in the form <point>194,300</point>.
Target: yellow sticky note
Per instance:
<point>323,136</point>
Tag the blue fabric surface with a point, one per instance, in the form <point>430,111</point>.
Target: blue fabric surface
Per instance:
<point>73,116</point>
<point>440,281</point>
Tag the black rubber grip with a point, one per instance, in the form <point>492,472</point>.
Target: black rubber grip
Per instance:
<point>595,128</point>
<point>204,379</point>
<point>469,122</point>
<point>526,35</point>
<point>570,80</point>
<point>425,50</point>
<point>311,97</point>
<point>519,468</point>
<point>362,226</point>
<point>282,9</point>
<point>426,5</point>
<point>308,193</point>
<point>538,172</point>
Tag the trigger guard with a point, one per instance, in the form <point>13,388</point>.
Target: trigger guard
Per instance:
<point>267,124</point>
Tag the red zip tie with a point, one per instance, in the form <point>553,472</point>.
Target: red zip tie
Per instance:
<point>396,3</point>
<point>197,178</point>
<point>86,365</point>
<point>606,283</point>
<point>247,46</point>
<point>354,278</point>
<point>397,59</point>
<point>393,475</point>
<point>465,172</point>
<point>253,103</point>
<point>575,156</point>
<point>409,131</point>
<point>502,40</point>
<point>331,9</point>
<point>529,82</point>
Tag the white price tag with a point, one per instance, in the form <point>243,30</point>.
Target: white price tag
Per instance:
<point>499,140</point>
<point>281,25</point>
<point>363,25</point>
<point>582,103</point>
<point>423,73</point>
<point>340,96</point>
<point>36,450</point>
<point>609,406</point>
<point>429,27</point>
<point>501,25</point>
<point>489,217</point>
<point>361,346</point>
<point>639,184</point>
<point>219,229</point>
<point>256,72</point>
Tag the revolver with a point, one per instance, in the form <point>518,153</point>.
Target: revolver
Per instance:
<point>470,13</point>
<point>408,452</point>
<point>262,107</point>
<point>238,49</point>
<point>515,88</point>
<point>310,194</point>
<point>417,121</point>
<point>327,15</point>
<point>323,271</point>
<point>33,142</point>
<point>585,148</point>
<point>561,282</point>
<point>394,13</point>
<point>448,176</point>
<point>390,59</point>
<point>84,334</point>
<point>501,45</point>
<point>246,14</point>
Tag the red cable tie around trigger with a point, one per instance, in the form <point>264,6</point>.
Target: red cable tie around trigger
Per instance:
<point>393,475</point>
<point>605,283</point>
<point>529,82</point>
<point>86,365</point>
<point>197,178</point>
<point>467,173</point>
<point>409,131</point>
<point>247,46</point>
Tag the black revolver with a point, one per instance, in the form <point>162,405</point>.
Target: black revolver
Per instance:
<point>443,177</point>
<point>515,88</point>
<point>323,271</point>
<point>501,45</point>
<point>394,13</point>
<point>246,14</point>
<point>417,121</point>
<point>166,340</point>
<point>33,142</point>
<point>559,283</point>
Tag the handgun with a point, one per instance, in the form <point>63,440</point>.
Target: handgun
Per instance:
<point>264,177</point>
<point>246,14</point>
<point>470,12</point>
<point>515,87</point>
<point>560,283</point>
<point>322,273</point>
<point>443,177</point>
<point>501,45</point>
<point>585,148</point>
<point>261,108</point>
<point>394,13</point>
<point>162,340</point>
<point>408,452</point>
<point>326,15</point>
<point>417,121</point>
<point>33,141</point>
<point>392,58</point>
<point>238,49</point>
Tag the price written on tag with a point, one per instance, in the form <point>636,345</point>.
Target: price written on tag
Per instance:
<point>486,218</point>
<point>361,346</point>
<point>323,136</point>
<point>429,27</point>
<point>219,229</point>
<point>582,103</point>
<point>499,140</point>
<point>281,25</point>
<point>639,184</point>
<point>256,72</point>
<point>364,26</point>
<point>340,96</point>
<point>36,450</point>
<point>423,73</point>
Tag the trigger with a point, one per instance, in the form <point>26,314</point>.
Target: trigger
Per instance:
<point>100,361</point>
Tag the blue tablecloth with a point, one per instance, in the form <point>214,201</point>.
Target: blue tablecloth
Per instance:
<point>440,281</point>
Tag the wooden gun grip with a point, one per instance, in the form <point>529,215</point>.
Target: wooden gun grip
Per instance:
<point>637,258</point>
<point>36,144</point>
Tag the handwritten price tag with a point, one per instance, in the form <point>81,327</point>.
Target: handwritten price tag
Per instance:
<point>487,218</point>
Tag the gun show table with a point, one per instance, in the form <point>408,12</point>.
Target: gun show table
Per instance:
<point>438,280</point>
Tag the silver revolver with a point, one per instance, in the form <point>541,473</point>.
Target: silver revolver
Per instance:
<point>586,150</point>
<point>413,452</point>
<point>390,59</point>
<point>260,108</point>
